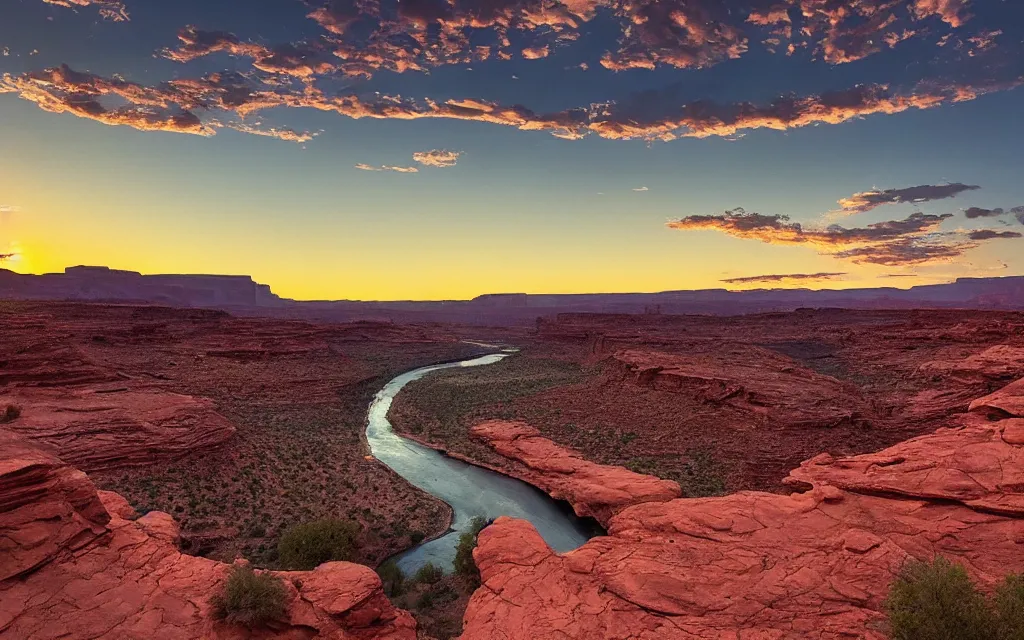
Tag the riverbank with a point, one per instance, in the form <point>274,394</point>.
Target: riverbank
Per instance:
<point>288,400</point>
<point>722,404</point>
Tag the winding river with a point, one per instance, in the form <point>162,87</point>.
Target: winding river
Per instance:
<point>470,490</point>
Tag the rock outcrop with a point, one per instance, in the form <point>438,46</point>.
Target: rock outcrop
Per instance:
<point>46,506</point>
<point>96,429</point>
<point>760,382</point>
<point>816,564</point>
<point>79,564</point>
<point>594,490</point>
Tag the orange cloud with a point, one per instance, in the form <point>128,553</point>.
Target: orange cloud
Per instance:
<point>61,90</point>
<point>302,61</point>
<point>437,157</point>
<point>109,9</point>
<point>535,53</point>
<point>953,12</point>
<point>281,133</point>
<point>368,167</point>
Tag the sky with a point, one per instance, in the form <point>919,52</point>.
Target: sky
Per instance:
<point>425,149</point>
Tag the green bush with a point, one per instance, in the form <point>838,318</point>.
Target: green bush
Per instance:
<point>464,564</point>
<point>393,578</point>
<point>10,414</point>
<point>250,598</point>
<point>1009,606</point>
<point>937,601</point>
<point>310,544</point>
<point>429,574</point>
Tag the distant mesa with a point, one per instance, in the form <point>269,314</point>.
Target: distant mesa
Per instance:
<point>243,296</point>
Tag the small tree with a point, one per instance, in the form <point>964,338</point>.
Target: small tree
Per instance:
<point>1009,606</point>
<point>250,598</point>
<point>429,574</point>
<point>464,564</point>
<point>310,544</point>
<point>10,414</point>
<point>393,578</point>
<point>937,601</point>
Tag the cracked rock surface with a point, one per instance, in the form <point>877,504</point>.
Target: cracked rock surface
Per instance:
<point>815,564</point>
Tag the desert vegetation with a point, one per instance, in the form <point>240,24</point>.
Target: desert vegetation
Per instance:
<point>10,414</point>
<point>937,601</point>
<point>465,566</point>
<point>250,598</point>
<point>305,546</point>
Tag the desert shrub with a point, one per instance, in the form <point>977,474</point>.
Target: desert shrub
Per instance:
<point>10,414</point>
<point>429,574</point>
<point>937,601</point>
<point>1009,607</point>
<point>250,598</point>
<point>464,564</point>
<point>393,578</point>
<point>702,475</point>
<point>309,544</point>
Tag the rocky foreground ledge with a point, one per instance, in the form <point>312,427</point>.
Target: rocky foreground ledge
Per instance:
<point>77,563</point>
<point>815,564</point>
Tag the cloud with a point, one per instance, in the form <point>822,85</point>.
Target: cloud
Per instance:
<point>368,167</point>
<point>978,212</point>
<point>913,240</point>
<point>535,53</point>
<point>641,189</point>
<point>678,33</point>
<point>783,277</point>
<point>1018,212</point>
<point>299,60</point>
<point>109,9</point>
<point>61,90</point>
<point>437,158</point>
<point>172,106</point>
<point>990,234</point>
<point>281,133</point>
<point>868,200</point>
<point>776,229</point>
<point>6,256</point>
<point>953,12</point>
<point>906,251</point>
<point>9,208</point>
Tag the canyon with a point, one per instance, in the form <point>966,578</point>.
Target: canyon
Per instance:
<point>758,476</point>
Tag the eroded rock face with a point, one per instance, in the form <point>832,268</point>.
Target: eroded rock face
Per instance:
<point>99,429</point>
<point>816,564</point>
<point>46,506</point>
<point>760,382</point>
<point>593,490</point>
<point>79,564</point>
<point>1007,401</point>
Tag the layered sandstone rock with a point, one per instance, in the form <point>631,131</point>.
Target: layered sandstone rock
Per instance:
<point>102,429</point>
<point>75,567</point>
<point>758,381</point>
<point>816,564</point>
<point>46,506</point>
<point>1007,401</point>
<point>1001,362</point>
<point>593,490</point>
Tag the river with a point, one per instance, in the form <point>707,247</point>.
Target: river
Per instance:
<point>470,490</point>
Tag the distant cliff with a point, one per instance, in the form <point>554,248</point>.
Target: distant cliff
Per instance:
<point>243,296</point>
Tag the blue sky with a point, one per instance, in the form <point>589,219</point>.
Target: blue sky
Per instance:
<point>612,163</point>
